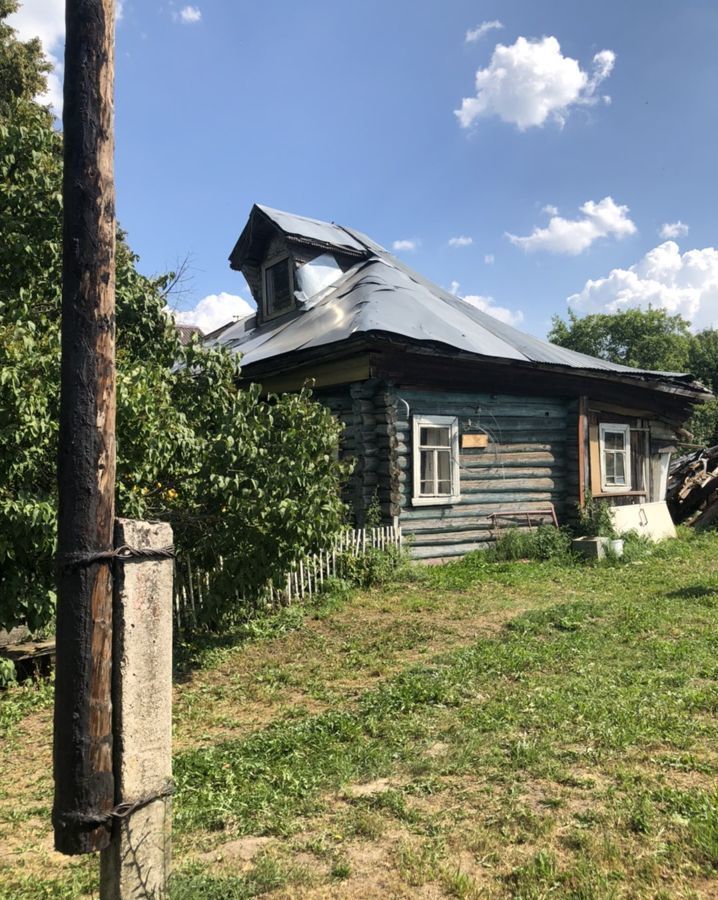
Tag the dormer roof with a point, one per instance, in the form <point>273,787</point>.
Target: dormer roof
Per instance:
<point>323,236</point>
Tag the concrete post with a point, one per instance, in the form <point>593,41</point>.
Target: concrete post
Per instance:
<point>137,862</point>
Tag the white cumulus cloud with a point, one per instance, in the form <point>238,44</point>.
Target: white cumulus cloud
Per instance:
<point>486,304</point>
<point>665,278</point>
<point>189,15</point>
<point>475,34</point>
<point>532,81</point>
<point>461,241</point>
<point>45,19</point>
<point>572,236</point>
<point>406,244</point>
<point>489,259</point>
<point>673,229</point>
<point>213,311</point>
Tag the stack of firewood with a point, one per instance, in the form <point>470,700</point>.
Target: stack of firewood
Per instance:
<point>692,494</point>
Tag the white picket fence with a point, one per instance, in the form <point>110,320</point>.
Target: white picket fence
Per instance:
<point>305,578</point>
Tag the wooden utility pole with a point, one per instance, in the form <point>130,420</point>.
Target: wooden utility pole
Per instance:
<point>84,789</point>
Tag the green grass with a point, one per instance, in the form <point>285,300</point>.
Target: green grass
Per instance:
<point>19,700</point>
<point>194,882</point>
<point>566,751</point>
<point>602,667</point>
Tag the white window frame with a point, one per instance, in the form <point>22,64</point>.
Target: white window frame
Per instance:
<point>452,423</point>
<point>625,430</point>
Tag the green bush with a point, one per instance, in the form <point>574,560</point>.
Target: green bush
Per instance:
<point>373,567</point>
<point>545,543</point>
<point>254,481</point>
<point>7,672</point>
<point>594,518</point>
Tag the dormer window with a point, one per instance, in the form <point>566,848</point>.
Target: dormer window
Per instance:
<point>278,286</point>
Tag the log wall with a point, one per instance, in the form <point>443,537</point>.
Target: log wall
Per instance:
<point>532,461</point>
<point>524,467</point>
<point>368,411</point>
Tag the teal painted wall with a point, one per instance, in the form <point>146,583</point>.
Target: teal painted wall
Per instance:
<point>530,462</point>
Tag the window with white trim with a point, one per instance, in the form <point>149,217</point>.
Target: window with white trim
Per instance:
<point>435,460</point>
<point>615,443</point>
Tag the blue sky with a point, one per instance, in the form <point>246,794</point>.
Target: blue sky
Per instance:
<point>346,112</point>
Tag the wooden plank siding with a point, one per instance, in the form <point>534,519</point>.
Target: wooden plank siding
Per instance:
<point>524,467</point>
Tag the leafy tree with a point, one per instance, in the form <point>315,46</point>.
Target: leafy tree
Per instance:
<point>646,339</point>
<point>252,481</point>
<point>703,357</point>
<point>649,339</point>
<point>23,68</point>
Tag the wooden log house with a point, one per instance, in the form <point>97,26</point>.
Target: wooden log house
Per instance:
<point>459,424</point>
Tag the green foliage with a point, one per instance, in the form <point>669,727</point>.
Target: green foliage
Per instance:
<point>703,424</point>
<point>253,481</point>
<point>589,714</point>
<point>373,567</point>
<point>703,357</point>
<point>649,339</point>
<point>645,339</point>
<point>18,700</point>
<point>636,547</point>
<point>544,543</point>
<point>262,491</point>
<point>7,672</point>
<point>594,518</point>
<point>372,517</point>
<point>341,869</point>
<point>23,67</point>
<point>79,879</point>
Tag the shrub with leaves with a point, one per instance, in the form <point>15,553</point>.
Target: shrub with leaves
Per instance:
<point>253,481</point>
<point>594,518</point>
<point>543,543</point>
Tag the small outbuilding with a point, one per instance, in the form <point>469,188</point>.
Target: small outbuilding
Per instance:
<point>459,424</point>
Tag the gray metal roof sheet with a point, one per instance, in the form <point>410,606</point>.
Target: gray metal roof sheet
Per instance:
<point>313,230</point>
<point>380,294</point>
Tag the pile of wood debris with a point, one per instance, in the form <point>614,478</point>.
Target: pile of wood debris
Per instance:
<point>692,494</point>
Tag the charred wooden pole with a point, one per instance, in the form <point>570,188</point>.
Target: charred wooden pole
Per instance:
<point>84,791</point>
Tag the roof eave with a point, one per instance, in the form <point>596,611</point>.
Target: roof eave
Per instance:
<point>690,390</point>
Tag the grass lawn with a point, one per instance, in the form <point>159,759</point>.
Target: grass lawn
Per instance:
<point>478,729</point>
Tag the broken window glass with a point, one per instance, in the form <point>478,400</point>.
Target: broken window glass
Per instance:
<point>278,284</point>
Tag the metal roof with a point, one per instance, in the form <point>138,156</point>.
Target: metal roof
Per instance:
<point>313,230</point>
<point>379,294</point>
<point>186,333</point>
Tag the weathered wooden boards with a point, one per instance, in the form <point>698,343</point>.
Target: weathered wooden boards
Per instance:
<point>368,411</point>
<point>522,467</point>
<point>693,488</point>
<point>31,658</point>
